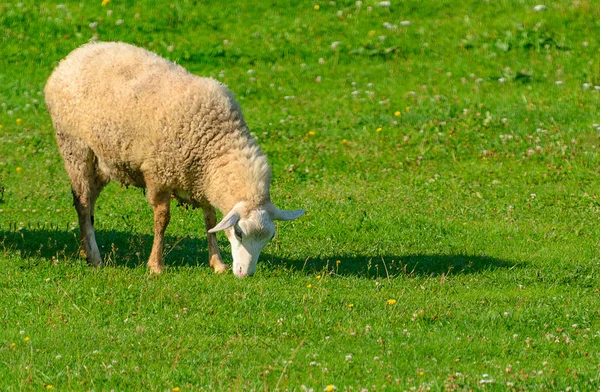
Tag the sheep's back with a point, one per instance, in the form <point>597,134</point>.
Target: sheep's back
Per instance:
<point>134,108</point>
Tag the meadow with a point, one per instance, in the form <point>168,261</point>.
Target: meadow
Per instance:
<point>446,153</point>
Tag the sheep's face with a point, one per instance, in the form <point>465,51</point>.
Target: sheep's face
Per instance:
<point>249,231</point>
<point>248,237</point>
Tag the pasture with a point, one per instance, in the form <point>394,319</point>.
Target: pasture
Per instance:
<point>446,153</point>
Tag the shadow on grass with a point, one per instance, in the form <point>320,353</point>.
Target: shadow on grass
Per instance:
<point>131,250</point>
<point>121,249</point>
<point>392,266</point>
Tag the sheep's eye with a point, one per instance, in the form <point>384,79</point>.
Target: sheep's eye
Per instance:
<point>238,233</point>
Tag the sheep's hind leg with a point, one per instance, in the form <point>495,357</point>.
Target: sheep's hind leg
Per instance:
<point>214,257</point>
<point>161,202</point>
<point>86,183</point>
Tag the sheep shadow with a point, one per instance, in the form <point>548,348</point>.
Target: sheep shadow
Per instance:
<point>389,266</point>
<point>131,250</point>
<point>121,249</point>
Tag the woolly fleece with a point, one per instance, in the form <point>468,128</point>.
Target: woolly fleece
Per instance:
<point>148,120</point>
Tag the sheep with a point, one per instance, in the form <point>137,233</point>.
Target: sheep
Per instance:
<point>123,113</point>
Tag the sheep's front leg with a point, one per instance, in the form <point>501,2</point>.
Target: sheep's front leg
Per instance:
<point>89,247</point>
<point>214,257</point>
<point>161,202</point>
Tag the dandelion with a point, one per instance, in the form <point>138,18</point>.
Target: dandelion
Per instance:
<point>13,344</point>
<point>18,121</point>
<point>312,133</point>
<point>175,389</point>
<point>49,386</point>
<point>318,276</point>
<point>371,33</point>
<point>350,306</point>
<point>408,108</point>
<point>338,262</point>
<point>378,129</point>
<point>344,141</point>
<point>330,388</point>
<point>19,170</point>
<point>421,373</point>
<point>316,7</point>
<point>397,113</point>
<point>26,338</point>
<point>105,2</point>
<point>309,286</point>
<point>391,301</point>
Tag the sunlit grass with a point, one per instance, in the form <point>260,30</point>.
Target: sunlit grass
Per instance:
<point>447,156</point>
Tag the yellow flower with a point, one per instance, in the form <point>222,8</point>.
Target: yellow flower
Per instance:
<point>391,301</point>
<point>330,388</point>
<point>351,306</point>
<point>0,126</point>
<point>397,113</point>
<point>317,7</point>
<point>27,338</point>
<point>311,133</point>
<point>371,33</point>
<point>13,344</point>
<point>309,285</point>
<point>49,386</point>
<point>378,129</point>
<point>18,121</point>
<point>318,276</point>
<point>176,389</point>
<point>338,262</point>
<point>344,141</point>
<point>19,170</point>
<point>421,373</point>
<point>408,108</point>
<point>105,2</point>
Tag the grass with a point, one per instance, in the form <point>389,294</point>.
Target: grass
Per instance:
<point>449,168</point>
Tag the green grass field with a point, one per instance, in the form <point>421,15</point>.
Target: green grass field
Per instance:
<point>446,153</point>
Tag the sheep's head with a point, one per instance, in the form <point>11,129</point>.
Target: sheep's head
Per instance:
<point>248,231</point>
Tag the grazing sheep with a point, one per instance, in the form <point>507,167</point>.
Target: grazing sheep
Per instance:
<point>125,114</point>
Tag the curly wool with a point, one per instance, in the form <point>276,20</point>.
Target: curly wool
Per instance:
<point>149,120</point>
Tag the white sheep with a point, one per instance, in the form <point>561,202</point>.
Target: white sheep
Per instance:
<point>126,114</point>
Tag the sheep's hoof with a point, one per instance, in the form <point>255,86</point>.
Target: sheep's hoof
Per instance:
<point>217,264</point>
<point>155,269</point>
<point>220,268</point>
<point>96,264</point>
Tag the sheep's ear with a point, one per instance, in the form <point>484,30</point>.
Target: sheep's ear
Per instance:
<point>285,215</point>
<point>228,220</point>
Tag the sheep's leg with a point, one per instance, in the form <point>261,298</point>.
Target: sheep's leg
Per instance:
<point>86,183</point>
<point>214,257</point>
<point>161,202</point>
